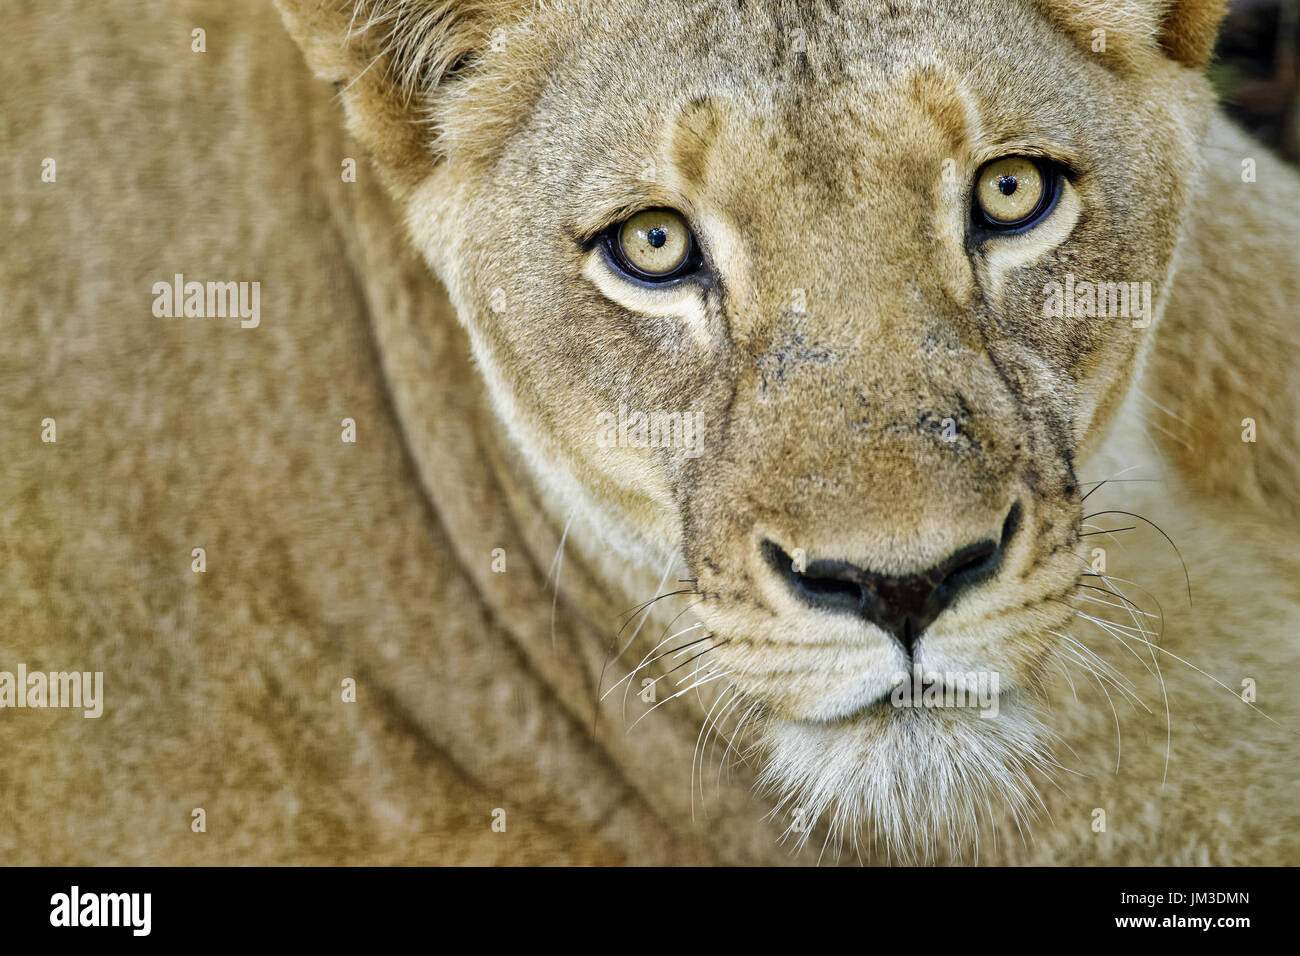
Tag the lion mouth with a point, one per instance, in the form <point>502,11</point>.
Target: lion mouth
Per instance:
<point>980,691</point>
<point>913,782</point>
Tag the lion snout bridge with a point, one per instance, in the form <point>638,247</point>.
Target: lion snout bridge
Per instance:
<point>902,605</point>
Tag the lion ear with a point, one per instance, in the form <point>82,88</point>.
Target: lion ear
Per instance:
<point>388,59</point>
<point>1190,29</point>
<point>1183,30</point>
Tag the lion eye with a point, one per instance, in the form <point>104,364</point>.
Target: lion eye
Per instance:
<point>654,245</point>
<point>1012,192</point>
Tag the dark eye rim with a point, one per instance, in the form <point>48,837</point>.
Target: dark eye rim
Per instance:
<point>612,241</point>
<point>1051,173</point>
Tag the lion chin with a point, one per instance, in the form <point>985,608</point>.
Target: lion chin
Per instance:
<point>913,785</point>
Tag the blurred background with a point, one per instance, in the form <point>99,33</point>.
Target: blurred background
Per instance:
<point>1256,71</point>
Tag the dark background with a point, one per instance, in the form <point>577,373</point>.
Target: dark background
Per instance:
<point>1255,71</point>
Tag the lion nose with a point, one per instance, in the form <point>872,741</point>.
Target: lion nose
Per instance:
<point>905,605</point>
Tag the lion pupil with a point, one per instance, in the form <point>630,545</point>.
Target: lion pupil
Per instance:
<point>1007,184</point>
<point>656,237</point>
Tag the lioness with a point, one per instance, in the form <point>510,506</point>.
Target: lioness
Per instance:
<point>659,433</point>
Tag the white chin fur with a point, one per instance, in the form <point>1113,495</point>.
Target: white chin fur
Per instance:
<point>907,786</point>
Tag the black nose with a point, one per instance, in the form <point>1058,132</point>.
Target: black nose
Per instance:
<point>905,606</point>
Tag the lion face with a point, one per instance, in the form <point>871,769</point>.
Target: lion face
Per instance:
<point>779,289</point>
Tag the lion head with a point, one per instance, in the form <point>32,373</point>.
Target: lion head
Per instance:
<point>789,289</point>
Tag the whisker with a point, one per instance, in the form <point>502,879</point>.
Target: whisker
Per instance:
<point>687,662</point>
<point>711,676</point>
<point>737,699</point>
<point>645,660</point>
<point>1163,409</point>
<point>1172,434</point>
<point>1068,679</point>
<point>697,755</point>
<point>1164,691</point>
<point>1132,606</point>
<point>1096,600</point>
<point>645,606</point>
<point>1235,695</point>
<point>1099,668</point>
<point>1099,622</point>
<point>557,565</point>
<point>1115,480</point>
<point>736,732</point>
<point>1119,739</point>
<point>631,676</point>
<point>633,611</point>
<point>645,614</point>
<point>1187,577</point>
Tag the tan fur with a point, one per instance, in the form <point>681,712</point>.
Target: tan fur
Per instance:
<point>816,171</point>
